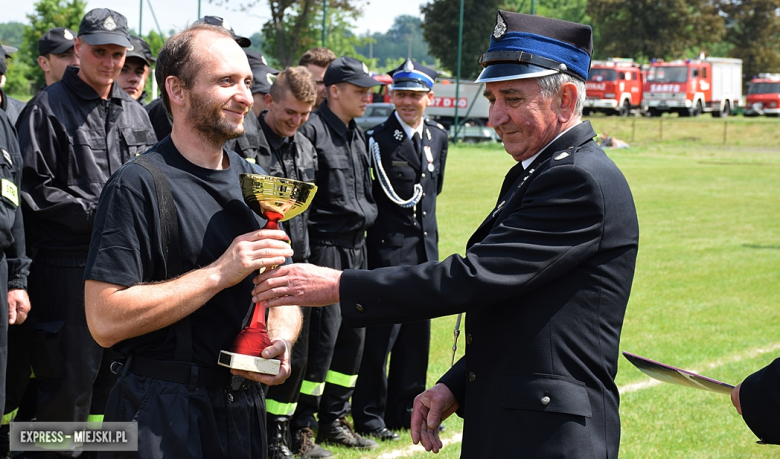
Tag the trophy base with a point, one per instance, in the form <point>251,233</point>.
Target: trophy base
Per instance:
<point>248,363</point>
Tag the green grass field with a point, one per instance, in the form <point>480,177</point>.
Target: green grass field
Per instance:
<point>706,287</point>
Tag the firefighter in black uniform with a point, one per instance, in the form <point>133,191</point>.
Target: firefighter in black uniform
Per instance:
<point>285,152</point>
<point>248,145</point>
<point>14,265</point>
<point>12,107</point>
<point>341,212</point>
<point>408,154</point>
<point>73,136</point>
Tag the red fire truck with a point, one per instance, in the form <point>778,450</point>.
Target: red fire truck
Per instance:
<point>693,86</point>
<point>763,97</point>
<point>614,86</point>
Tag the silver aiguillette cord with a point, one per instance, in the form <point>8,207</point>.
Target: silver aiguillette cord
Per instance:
<point>455,333</point>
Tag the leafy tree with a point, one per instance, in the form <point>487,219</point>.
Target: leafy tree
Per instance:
<point>405,33</point>
<point>754,31</point>
<point>11,33</point>
<point>48,14</point>
<point>440,30</point>
<point>661,28</point>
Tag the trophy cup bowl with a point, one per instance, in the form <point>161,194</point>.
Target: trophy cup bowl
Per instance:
<point>275,199</point>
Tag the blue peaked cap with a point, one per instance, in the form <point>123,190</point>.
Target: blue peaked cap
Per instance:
<point>524,46</point>
<point>413,76</point>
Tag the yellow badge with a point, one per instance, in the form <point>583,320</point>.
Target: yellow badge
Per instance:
<point>10,191</point>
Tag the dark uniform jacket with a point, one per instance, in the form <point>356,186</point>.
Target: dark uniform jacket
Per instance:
<point>759,397</point>
<point>246,145</point>
<point>544,282</point>
<point>294,158</point>
<point>12,244</point>
<point>343,207</point>
<point>12,107</point>
<point>72,141</point>
<point>398,234</point>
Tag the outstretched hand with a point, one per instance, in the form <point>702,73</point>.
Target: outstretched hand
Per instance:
<point>299,284</point>
<point>430,409</point>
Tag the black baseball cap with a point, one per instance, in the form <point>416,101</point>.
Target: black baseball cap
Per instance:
<point>349,70</point>
<point>8,50</point>
<point>6,54</point>
<point>141,50</point>
<point>261,72</point>
<point>218,21</point>
<point>56,41</point>
<point>3,65</point>
<point>102,26</point>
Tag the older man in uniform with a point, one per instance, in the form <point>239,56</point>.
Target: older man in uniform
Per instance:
<point>56,53</point>
<point>408,154</point>
<point>73,136</point>
<point>544,281</point>
<point>341,212</point>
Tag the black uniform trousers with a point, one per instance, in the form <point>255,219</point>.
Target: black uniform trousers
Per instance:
<point>335,350</point>
<point>71,369</point>
<point>182,422</point>
<point>386,401</point>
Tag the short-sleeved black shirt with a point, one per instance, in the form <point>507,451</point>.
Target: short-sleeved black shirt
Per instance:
<point>126,247</point>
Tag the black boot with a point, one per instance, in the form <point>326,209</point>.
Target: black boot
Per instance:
<point>278,440</point>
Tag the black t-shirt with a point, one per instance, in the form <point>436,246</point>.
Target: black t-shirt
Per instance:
<point>126,247</point>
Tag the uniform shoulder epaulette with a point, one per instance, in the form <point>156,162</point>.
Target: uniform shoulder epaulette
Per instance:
<point>375,129</point>
<point>564,156</point>
<point>430,122</point>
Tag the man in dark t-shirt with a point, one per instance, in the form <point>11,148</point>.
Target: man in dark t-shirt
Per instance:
<point>171,323</point>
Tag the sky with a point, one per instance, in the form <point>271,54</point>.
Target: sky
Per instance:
<point>378,15</point>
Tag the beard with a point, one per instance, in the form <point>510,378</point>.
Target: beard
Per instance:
<point>206,117</point>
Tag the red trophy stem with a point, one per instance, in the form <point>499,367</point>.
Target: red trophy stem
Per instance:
<point>254,337</point>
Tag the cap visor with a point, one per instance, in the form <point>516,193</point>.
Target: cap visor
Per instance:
<point>61,48</point>
<point>105,38</point>
<point>365,81</point>
<point>512,71</point>
<point>243,41</point>
<point>262,88</point>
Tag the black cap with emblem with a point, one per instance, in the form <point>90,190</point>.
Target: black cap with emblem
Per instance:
<point>349,70</point>
<point>218,21</point>
<point>102,26</point>
<point>141,50</point>
<point>56,40</point>
<point>524,46</point>
<point>261,72</point>
<point>413,76</point>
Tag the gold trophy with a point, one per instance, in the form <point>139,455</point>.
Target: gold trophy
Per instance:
<point>275,199</point>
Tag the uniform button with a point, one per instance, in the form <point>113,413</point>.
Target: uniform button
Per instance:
<point>425,234</point>
<point>472,377</point>
<point>425,214</point>
<point>399,175</point>
<point>359,307</point>
<point>545,400</point>
<point>468,338</point>
<point>230,397</point>
<point>423,195</point>
<point>383,241</point>
<point>423,175</point>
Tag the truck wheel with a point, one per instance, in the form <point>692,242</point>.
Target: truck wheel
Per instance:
<point>696,109</point>
<point>723,113</point>
<point>625,109</point>
<point>653,112</point>
<point>685,112</point>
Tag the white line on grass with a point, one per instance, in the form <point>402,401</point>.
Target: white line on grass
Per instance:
<point>633,387</point>
<point>411,449</point>
<point>749,354</point>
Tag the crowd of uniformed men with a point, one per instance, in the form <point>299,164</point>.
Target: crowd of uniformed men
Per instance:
<point>375,207</point>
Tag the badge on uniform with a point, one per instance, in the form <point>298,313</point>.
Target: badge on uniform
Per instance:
<point>10,191</point>
<point>429,157</point>
<point>428,133</point>
<point>7,157</point>
<point>399,136</point>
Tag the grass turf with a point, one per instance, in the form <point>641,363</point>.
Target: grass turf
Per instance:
<point>705,293</point>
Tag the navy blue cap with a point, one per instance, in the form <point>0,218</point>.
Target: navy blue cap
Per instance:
<point>219,22</point>
<point>102,26</point>
<point>261,72</point>
<point>140,49</point>
<point>413,76</point>
<point>56,40</point>
<point>524,46</point>
<point>349,70</point>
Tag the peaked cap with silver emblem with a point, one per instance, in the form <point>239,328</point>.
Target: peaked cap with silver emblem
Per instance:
<point>524,46</point>
<point>413,76</point>
<point>56,41</point>
<point>102,26</point>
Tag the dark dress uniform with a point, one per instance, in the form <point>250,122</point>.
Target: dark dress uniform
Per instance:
<point>760,401</point>
<point>71,141</point>
<point>14,264</point>
<point>399,236</point>
<point>342,210</point>
<point>544,283</point>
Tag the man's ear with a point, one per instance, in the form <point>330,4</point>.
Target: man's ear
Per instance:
<point>268,99</point>
<point>77,47</point>
<point>43,63</point>
<point>175,90</point>
<point>566,101</point>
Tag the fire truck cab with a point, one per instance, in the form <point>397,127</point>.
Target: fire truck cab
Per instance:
<point>693,86</point>
<point>614,86</point>
<point>763,97</point>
